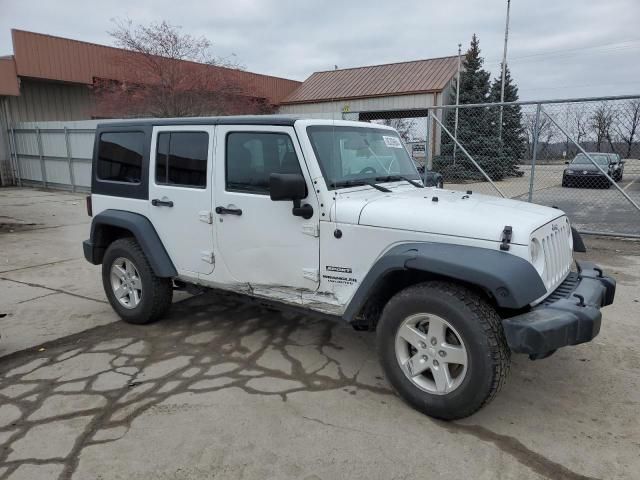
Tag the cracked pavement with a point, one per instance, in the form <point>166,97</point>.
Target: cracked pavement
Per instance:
<point>224,388</point>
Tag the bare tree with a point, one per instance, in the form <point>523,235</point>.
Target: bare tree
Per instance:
<point>545,133</point>
<point>600,122</point>
<point>628,124</point>
<point>168,73</point>
<point>404,126</point>
<point>580,122</point>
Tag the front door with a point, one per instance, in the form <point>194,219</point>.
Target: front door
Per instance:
<point>180,185</point>
<point>260,241</point>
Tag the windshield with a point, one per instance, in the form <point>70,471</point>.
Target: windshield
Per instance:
<point>356,155</point>
<point>599,158</point>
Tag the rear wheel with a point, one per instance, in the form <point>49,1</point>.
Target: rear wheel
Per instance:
<point>131,286</point>
<point>443,349</point>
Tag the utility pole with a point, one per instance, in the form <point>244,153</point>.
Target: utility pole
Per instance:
<point>455,127</point>
<point>504,66</point>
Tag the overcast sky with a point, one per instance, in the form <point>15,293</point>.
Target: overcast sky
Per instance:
<point>557,48</point>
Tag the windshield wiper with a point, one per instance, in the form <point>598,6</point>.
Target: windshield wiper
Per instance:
<point>361,181</point>
<point>394,178</point>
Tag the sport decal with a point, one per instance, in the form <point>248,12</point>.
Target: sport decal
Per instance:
<point>339,279</point>
<point>338,269</point>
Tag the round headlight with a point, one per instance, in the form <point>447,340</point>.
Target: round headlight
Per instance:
<point>536,255</point>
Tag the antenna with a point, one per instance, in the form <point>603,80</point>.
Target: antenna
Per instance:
<point>455,128</point>
<point>504,66</point>
<point>334,101</point>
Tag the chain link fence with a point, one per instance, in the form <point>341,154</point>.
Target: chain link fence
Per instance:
<point>582,156</point>
<point>53,154</point>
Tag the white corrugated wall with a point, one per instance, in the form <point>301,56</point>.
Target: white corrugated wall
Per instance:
<point>378,104</point>
<point>50,101</point>
<point>6,170</point>
<point>41,101</point>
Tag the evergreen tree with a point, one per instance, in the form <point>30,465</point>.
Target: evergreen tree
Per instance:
<point>474,80</point>
<point>477,130</point>
<point>513,133</point>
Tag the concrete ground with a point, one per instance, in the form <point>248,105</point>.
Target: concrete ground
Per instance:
<point>225,389</point>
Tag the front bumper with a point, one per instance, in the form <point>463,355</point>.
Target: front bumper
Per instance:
<point>569,316</point>
<point>581,177</point>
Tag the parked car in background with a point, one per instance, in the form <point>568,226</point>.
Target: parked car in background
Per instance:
<point>582,171</point>
<point>616,161</point>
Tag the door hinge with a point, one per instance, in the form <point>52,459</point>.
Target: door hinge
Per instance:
<point>207,256</point>
<point>205,216</point>
<point>311,229</point>
<point>311,274</point>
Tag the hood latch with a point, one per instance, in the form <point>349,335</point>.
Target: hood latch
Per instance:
<point>506,238</point>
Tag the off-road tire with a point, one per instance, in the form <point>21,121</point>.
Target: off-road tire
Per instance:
<point>157,292</point>
<point>479,326</point>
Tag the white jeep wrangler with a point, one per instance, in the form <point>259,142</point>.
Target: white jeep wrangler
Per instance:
<point>332,217</point>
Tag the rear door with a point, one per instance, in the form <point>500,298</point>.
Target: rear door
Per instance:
<point>180,186</point>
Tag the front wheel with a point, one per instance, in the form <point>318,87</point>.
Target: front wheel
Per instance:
<point>443,349</point>
<point>131,286</point>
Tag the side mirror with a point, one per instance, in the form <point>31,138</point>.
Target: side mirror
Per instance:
<point>290,186</point>
<point>287,186</point>
<point>566,163</point>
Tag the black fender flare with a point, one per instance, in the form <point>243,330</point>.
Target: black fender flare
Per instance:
<point>578,243</point>
<point>141,228</point>
<point>513,282</point>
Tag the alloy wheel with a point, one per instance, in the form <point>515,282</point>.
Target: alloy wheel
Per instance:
<point>126,283</point>
<point>431,353</point>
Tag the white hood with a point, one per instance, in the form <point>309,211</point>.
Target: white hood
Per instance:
<point>454,213</point>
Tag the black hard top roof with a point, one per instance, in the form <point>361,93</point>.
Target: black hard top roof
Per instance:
<point>277,120</point>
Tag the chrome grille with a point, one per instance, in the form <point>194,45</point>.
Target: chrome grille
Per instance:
<point>555,238</point>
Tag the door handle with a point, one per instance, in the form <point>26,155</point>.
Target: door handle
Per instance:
<point>228,211</point>
<point>161,203</point>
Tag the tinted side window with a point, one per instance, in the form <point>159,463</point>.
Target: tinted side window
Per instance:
<point>120,156</point>
<point>253,156</point>
<point>181,159</point>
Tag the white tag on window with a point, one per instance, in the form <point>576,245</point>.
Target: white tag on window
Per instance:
<point>392,142</point>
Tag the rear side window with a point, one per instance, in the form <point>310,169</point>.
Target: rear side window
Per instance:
<point>120,156</point>
<point>181,159</point>
<point>253,156</point>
